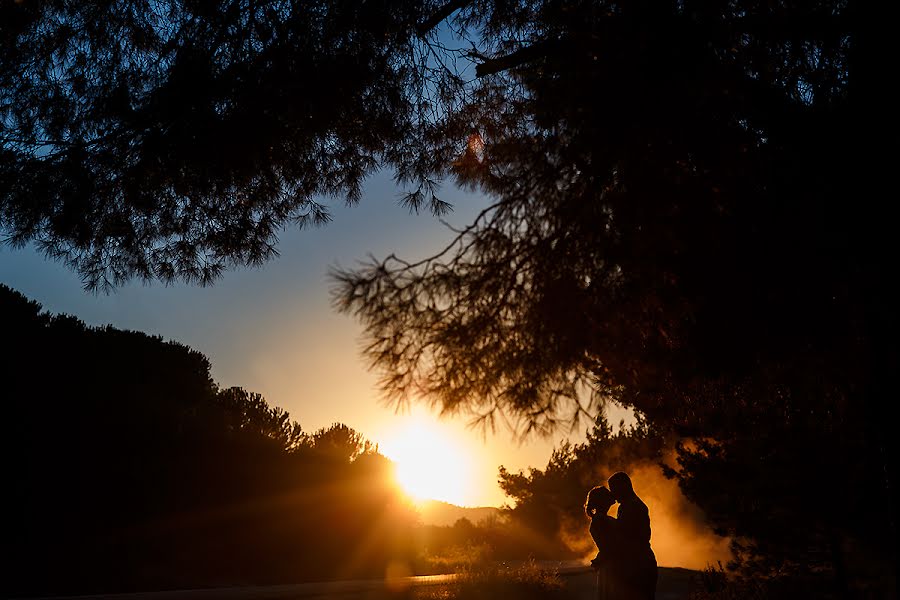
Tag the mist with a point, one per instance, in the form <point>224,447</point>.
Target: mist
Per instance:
<point>681,537</point>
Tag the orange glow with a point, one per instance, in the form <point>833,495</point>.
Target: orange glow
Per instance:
<point>680,537</point>
<point>475,146</point>
<point>430,463</point>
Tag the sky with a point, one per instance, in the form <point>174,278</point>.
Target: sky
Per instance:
<point>272,330</point>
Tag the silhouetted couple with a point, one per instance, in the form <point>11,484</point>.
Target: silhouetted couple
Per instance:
<point>625,562</point>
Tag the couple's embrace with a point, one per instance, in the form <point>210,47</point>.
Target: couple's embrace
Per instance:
<point>625,563</point>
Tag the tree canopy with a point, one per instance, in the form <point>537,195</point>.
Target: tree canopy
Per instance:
<point>169,140</point>
<point>128,469</point>
<point>679,226</point>
<point>672,181</point>
<point>671,185</point>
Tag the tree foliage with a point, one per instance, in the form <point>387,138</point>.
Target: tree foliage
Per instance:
<point>169,140</point>
<point>679,225</point>
<point>669,183</point>
<point>801,492</point>
<point>128,469</point>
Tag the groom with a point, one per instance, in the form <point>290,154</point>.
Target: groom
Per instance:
<point>638,575</point>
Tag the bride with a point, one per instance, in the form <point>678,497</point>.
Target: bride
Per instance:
<point>604,531</point>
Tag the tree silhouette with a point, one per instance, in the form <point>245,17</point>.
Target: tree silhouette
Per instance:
<point>679,226</point>
<point>129,469</point>
<point>170,140</point>
<point>340,443</point>
<point>669,185</point>
<point>249,413</point>
<point>762,486</point>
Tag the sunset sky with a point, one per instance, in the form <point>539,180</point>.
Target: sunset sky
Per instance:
<point>272,330</point>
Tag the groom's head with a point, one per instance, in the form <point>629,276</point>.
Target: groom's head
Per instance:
<point>620,486</point>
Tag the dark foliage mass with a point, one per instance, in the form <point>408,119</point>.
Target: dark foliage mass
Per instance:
<point>680,225</point>
<point>168,140</point>
<point>127,468</point>
<point>670,185</point>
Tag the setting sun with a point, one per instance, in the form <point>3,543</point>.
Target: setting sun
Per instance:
<point>430,463</point>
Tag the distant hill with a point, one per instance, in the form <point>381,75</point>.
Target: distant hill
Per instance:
<point>435,512</point>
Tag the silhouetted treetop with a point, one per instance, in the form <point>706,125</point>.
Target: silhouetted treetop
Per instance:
<point>129,469</point>
<point>340,443</point>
